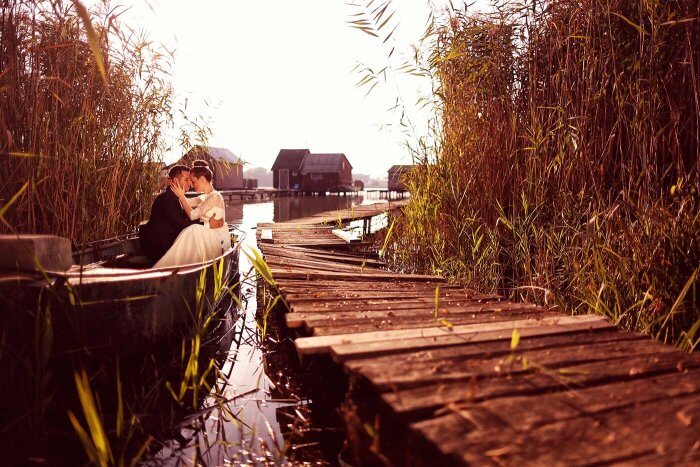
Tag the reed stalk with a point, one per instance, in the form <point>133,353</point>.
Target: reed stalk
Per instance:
<point>565,169</point>
<point>84,103</point>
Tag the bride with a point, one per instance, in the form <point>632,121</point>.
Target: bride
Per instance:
<point>198,242</point>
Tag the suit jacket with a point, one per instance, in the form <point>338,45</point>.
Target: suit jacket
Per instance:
<point>167,220</point>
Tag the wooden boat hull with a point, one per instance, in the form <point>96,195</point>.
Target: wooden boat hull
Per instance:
<point>108,310</point>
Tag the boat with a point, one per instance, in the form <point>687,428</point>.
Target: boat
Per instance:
<point>106,298</point>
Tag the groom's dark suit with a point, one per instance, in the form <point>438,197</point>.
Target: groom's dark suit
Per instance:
<point>167,220</point>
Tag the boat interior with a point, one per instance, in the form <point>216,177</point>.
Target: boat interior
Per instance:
<point>114,253</point>
<point>118,255</point>
<point>112,259</point>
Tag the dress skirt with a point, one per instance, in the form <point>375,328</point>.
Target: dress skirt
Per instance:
<point>195,244</point>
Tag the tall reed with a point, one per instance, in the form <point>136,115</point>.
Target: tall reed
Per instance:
<point>84,147</point>
<point>566,168</point>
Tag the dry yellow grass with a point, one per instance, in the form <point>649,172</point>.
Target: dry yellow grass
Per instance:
<point>86,144</point>
<point>567,161</point>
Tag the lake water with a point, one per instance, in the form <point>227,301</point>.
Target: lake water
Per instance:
<point>252,426</point>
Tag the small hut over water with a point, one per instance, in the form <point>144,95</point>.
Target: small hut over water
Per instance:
<point>326,172</point>
<point>286,171</point>
<point>227,167</point>
<point>396,180</point>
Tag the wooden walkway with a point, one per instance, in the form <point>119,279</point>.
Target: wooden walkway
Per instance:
<point>444,382</point>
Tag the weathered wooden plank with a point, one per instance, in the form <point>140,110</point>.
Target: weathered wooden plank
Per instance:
<point>399,363</point>
<point>343,259</point>
<point>316,241</point>
<point>292,227</point>
<point>290,273</point>
<point>331,255</point>
<point>320,246</point>
<point>345,351</point>
<point>266,235</point>
<point>465,333</point>
<point>622,435</point>
<point>348,237</point>
<point>274,261</point>
<point>428,296</point>
<point>548,360</point>
<point>307,265</point>
<point>393,303</point>
<point>305,237</point>
<point>302,236</point>
<point>430,397</point>
<point>297,285</point>
<point>415,322</point>
<point>396,304</point>
<point>273,258</point>
<point>310,240</point>
<point>381,302</point>
<point>524,413</point>
<point>318,318</point>
<point>356,259</point>
<point>311,250</point>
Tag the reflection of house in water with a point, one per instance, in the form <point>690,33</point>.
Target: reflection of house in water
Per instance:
<point>287,207</point>
<point>234,212</point>
<point>294,207</point>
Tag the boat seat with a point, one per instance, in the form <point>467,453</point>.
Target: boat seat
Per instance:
<point>130,261</point>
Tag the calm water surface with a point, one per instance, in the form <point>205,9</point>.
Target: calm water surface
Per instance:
<point>248,430</point>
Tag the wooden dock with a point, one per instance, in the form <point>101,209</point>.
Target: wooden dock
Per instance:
<point>261,194</point>
<point>264,194</point>
<point>436,374</point>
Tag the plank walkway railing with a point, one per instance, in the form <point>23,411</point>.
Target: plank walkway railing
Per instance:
<point>441,382</point>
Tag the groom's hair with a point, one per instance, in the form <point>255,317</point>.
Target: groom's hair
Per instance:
<point>177,170</point>
<point>200,163</point>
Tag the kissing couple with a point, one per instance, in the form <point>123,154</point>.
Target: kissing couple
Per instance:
<point>184,230</point>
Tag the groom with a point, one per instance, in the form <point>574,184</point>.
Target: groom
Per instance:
<point>168,218</point>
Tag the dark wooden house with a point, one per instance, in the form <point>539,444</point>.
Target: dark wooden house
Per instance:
<point>227,167</point>
<point>326,172</point>
<point>397,177</point>
<point>286,171</point>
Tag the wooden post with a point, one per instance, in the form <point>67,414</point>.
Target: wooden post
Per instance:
<point>49,252</point>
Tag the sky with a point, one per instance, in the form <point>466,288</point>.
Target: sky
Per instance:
<point>277,74</point>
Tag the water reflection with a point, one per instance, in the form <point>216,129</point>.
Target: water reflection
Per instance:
<point>287,208</point>
<point>245,429</point>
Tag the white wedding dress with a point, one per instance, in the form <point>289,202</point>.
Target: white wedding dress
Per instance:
<point>198,242</point>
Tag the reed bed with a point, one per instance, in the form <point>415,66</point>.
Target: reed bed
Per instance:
<point>83,107</point>
<point>74,405</point>
<point>566,163</point>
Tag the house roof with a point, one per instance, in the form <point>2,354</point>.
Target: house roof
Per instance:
<point>323,163</point>
<point>401,168</point>
<point>290,159</point>
<point>209,153</point>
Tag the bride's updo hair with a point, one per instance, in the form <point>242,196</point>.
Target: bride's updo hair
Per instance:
<point>201,171</point>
